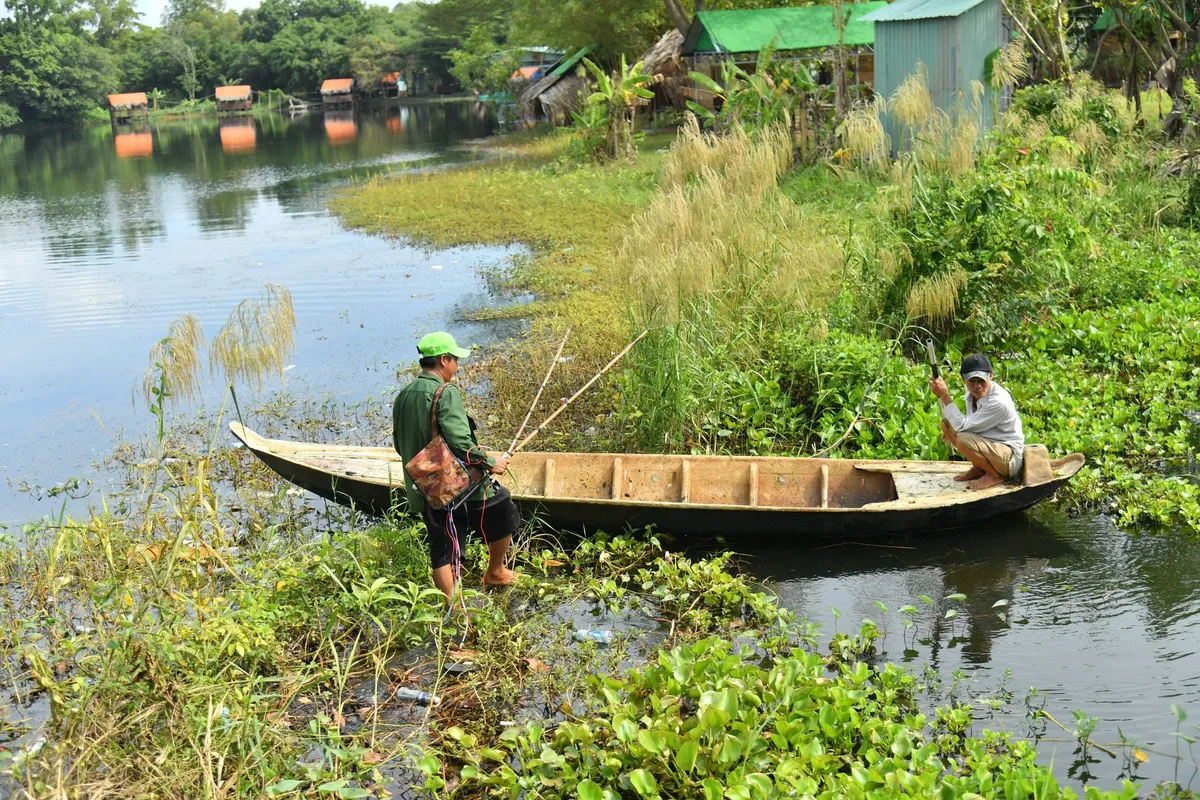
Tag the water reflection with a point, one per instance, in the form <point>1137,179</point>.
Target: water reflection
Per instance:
<point>1099,620</point>
<point>340,127</point>
<point>105,244</point>
<point>133,143</point>
<point>238,135</point>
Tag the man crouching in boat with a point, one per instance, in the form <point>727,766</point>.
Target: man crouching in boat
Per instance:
<point>989,435</point>
<point>489,510</point>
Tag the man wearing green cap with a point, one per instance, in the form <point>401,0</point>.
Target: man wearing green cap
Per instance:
<point>489,510</point>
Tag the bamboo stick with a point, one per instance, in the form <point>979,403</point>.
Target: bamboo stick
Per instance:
<point>575,396</point>
<point>537,396</point>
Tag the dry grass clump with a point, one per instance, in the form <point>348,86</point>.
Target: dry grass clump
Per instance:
<point>864,135</point>
<point>911,102</point>
<point>178,357</point>
<point>726,231</point>
<point>935,297</point>
<point>257,339</point>
<point>1010,65</point>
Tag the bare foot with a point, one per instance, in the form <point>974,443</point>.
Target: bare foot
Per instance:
<point>986,482</point>
<point>970,475</point>
<point>500,577</point>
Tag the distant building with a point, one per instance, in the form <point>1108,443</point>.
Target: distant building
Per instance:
<point>955,40</point>
<point>558,93</point>
<point>123,107</point>
<point>337,92</point>
<point>804,33</point>
<point>234,98</point>
<point>541,56</point>
<point>394,85</point>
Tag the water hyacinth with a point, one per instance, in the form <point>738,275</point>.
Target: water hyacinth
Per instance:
<point>257,339</point>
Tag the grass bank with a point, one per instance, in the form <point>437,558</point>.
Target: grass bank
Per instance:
<point>785,304</point>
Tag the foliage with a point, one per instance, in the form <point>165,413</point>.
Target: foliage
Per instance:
<point>483,64</point>
<point>755,101</point>
<point>9,117</point>
<point>706,721</point>
<point>612,108</point>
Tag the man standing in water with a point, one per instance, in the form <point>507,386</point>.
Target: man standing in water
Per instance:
<point>489,510</point>
<point>989,435</point>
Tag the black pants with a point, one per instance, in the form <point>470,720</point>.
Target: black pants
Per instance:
<point>494,519</point>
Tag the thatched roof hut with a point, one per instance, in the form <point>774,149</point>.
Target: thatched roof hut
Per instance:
<point>558,94</point>
<point>234,98</point>
<point>129,104</point>
<point>665,60</point>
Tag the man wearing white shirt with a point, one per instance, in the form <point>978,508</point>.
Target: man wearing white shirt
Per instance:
<point>989,435</point>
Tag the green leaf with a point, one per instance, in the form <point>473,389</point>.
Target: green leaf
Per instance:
<point>1179,711</point>
<point>589,790</point>
<point>644,782</point>
<point>956,596</point>
<point>331,786</point>
<point>283,787</point>
<point>352,793</point>
<point>713,790</point>
<point>731,749</point>
<point>652,741</point>
<point>685,757</point>
<point>625,729</point>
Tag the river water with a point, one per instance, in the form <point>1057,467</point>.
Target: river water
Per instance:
<point>105,239</point>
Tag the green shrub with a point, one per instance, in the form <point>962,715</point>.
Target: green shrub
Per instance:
<point>9,117</point>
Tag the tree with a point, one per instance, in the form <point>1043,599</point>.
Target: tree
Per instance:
<point>50,67</point>
<point>482,63</point>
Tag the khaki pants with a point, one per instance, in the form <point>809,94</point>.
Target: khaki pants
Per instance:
<point>998,455</point>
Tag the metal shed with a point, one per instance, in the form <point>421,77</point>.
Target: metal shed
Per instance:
<point>954,39</point>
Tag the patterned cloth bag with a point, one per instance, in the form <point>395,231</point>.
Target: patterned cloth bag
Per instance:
<point>436,471</point>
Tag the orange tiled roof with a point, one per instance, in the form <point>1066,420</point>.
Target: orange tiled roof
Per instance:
<point>241,92</point>
<point>128,99</point>
<point>393,78</point>
<point>337,85</point>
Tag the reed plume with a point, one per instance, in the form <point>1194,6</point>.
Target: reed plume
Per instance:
<point>911,102</point>
<point>864,135</point>
<point>257,339</point>
<point>177,356</point>
<point>935,297</point>
<point>1010,65</point>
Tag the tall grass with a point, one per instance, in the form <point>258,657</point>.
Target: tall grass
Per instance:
<point>257,339</point>
<point>175,362</point>
<point>715,264</point>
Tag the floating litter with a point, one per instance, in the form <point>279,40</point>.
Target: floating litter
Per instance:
<point>436,266</point>
<point>289,366</point>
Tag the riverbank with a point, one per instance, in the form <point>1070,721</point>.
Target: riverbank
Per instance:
<point>214,643</point>
<point>785,304</point>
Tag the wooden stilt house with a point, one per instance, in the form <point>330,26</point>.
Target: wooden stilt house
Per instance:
<point>337,93</point>
<point>234,98</point>
<point>124,107</point>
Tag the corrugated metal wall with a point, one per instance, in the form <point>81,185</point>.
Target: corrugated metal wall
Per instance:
<point>953,50</point>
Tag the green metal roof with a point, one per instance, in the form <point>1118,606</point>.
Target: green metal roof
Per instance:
<point>922,9</point>
<point>751,29</point>
<point>568,63</point>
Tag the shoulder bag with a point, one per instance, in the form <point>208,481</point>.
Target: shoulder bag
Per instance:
<point>437,473</point>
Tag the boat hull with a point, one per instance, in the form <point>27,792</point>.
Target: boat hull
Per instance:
<point>377,498</point>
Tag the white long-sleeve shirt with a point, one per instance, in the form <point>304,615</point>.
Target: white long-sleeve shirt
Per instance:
<point>993,417</point>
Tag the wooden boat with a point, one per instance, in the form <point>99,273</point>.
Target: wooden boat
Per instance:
<point>709,495</point>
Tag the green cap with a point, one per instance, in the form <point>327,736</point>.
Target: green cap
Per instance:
<point>440,343</point>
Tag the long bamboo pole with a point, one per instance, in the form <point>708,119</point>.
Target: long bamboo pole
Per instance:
<point>585,387</point>
<point>537,396</point>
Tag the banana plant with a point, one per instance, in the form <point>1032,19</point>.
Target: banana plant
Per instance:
<point>768,96</point>
<point>612,107</point>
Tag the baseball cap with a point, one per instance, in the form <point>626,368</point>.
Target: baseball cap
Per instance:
<point>440,343</point>
<point>976,365</point>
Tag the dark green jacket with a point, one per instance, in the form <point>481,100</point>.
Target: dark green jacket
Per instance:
<point>410,430</point>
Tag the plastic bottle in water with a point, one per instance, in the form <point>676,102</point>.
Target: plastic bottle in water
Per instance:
<point>597,636</point>
<point>417,696</point>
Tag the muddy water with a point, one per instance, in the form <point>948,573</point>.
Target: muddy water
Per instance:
<point>1098,620</point>
<point>107,236</point>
